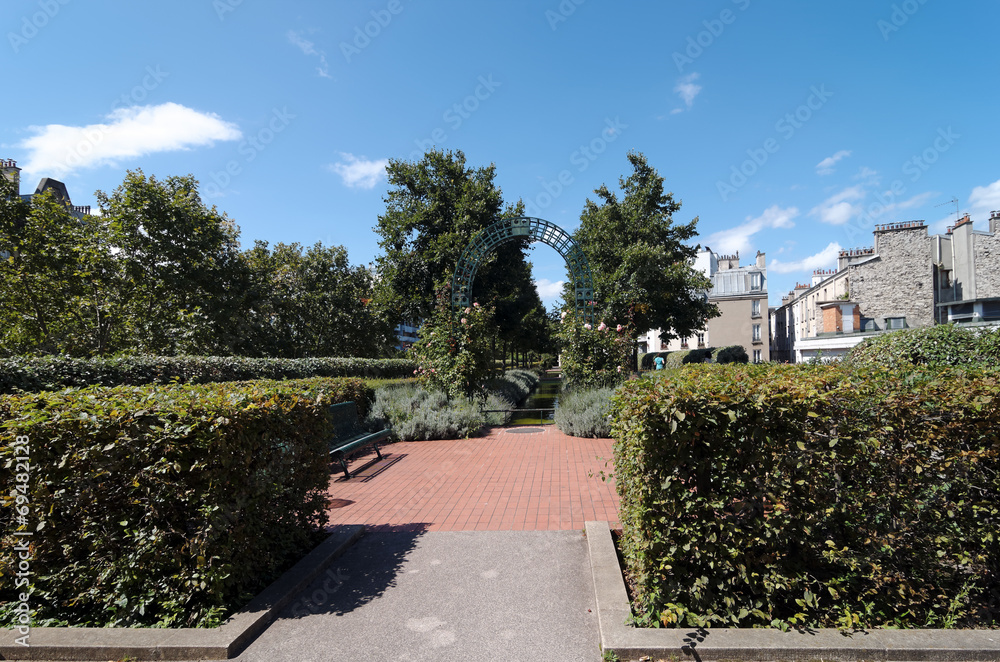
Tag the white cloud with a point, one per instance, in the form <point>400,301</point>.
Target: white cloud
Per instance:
<point>56,149</point>
<point>867,175</point>
<point>687,89</point>
<point>737,239</point>
<point>359,173</point>
<point>548,290</point>
<point>825,167</point>
<point>838,209</point>
<point>985,199</point>
<point>825,259</point>
<point>309,48</point>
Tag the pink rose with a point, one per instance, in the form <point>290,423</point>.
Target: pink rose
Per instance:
<point>476,304</point>
<point>463,320</point>
<point>587,327</point>
<point>619,328</point>
<point>602,326</point>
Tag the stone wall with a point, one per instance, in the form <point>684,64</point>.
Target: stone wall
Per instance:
<point>899,283</point>
<point>986,253</point>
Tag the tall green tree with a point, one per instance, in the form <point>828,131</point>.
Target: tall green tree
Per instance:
<point>434,208</point>
<point>312,303</point>
<point>57,279</point>
<point>640,259</point>
<point>181,281</point>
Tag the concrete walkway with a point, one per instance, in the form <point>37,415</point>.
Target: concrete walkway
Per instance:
<point>474,551</point>
<point>445,595</point>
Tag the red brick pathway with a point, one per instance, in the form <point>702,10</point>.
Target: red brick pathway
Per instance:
<point>501,482</point>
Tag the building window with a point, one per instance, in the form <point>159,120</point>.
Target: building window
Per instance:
<point>895,322</point>
<point>757,356</point>
<point>755,308</point>
<point>756,332</point>
<point>756,280</point>
<point>701,340</point>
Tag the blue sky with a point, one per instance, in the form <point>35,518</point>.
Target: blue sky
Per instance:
<point>785,127</point>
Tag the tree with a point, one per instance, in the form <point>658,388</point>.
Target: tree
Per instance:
<point>312,304</point>
<point>433,210</point>
<point>55,278</point>
<point>181,280</point>
<point>641,266</point>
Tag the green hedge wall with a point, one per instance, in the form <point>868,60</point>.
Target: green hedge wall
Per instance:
<point>765,495</point>
<point>941,345</point>
<point>164,505</point>
<point>729,354</point>
<point>51,373</point>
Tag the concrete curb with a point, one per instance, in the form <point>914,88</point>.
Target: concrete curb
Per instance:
<point>631,643</point>
<point>223,642</point>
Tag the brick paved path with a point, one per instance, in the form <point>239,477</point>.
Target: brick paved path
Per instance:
<point>504,481</point>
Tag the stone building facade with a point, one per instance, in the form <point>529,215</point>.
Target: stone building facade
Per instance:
<point>908,279</point>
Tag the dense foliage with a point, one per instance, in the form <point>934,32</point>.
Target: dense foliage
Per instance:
<point>941,345</point>
<point>159,272</point>
<point>640,260</point>
<point>453,352</point>
<point>434,207</point>
<point>814,496</point>
<point>728,354</point>
<point>164,505</point>
<point>585,412</point>
<point>56,372</point>
<point>594,357</point>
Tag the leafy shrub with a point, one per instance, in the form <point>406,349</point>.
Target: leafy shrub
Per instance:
<point>585,413</point>
<point>165,505</point>
<point>731,354</point>
<point>816,496</point>
<point>676,359</point>
<point>941,345</point>
<point>56,372</point>
<point>594,356</point>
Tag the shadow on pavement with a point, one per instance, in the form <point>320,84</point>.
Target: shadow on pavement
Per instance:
<point>365,572</point>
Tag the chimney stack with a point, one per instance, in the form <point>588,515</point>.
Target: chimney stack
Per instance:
<point>995,221</point>
<point>10,170</point>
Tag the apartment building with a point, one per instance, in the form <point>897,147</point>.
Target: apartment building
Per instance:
<point>908,279</point>
<point>740,292</point>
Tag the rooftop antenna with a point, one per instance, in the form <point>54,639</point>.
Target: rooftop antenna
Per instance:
<point>953,201</point>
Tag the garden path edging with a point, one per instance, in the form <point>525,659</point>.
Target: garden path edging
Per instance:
<point>221,643</point>
<point>631,643</point>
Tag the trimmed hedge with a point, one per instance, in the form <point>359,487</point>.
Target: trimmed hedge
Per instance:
<point>31,375</point>
<point>165,505</point>
<point>815,496</point>
<point>941,345</point>
<point>729,354</point>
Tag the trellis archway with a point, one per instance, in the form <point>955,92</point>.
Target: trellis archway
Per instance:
<point>532,229</point>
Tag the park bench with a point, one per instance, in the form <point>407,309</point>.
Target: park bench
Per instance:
<point>349,437</point>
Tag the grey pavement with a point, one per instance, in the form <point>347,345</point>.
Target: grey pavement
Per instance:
<point>444,595</point>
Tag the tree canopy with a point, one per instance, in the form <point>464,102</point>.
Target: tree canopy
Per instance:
<point>640,262</point>
<point>159,272</point>
<point>434,208</point>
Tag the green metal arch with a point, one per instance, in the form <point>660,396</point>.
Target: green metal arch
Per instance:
<point>534,229</point>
